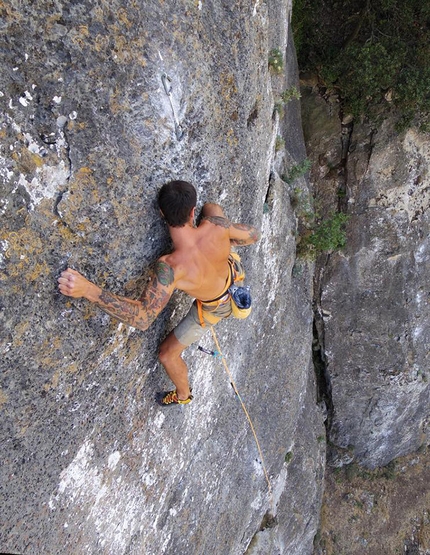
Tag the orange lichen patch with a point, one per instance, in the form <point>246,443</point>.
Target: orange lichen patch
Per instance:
<point>97,13</point>
<point>53,383</point>
<point>21,243</point>
<point>83,192</point>
<point>3,398</point>
<point>117,103</point>
<point>231,138</point>
<point>72,368</point>
<point>82,183</point>
<point>79,126</point>
<point>119,169</point>
<point>127,50</point>
<point>27,162</point>
<point>83,30</point>
<point>84,171</point>
<point>51,21</point>
<point>122,17</point>
<point>88,311</point>
<point>228,86</point>
<point>7,13</point>
<point>25,252</point>
<point>66,234</point>
<point>19,333</point>
<point>101,43</point>
<point>37,270</point>
<point>122,216</point>
<point>50,350</point>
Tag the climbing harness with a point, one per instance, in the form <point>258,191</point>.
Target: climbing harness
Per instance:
<point>167,84</point>
<point>218,354</point>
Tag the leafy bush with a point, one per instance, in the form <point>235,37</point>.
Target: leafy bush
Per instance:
<point>297,171</point>
<point>375,53</point>
<point>328,236</point>
<point>279,143</point>
<point>276,60</point>
<point>290,93</point>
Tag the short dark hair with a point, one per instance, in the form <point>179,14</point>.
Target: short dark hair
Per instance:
<point>176,199</point>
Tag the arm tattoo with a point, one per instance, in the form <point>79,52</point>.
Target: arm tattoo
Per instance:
<point>243,227</point>
<point>117,306</point>
<point>164,273</point>
<point>218,220</point>
<point>139,314</point>
<point>239,242</point>
<point>253,234</point>
<point>154,301</point>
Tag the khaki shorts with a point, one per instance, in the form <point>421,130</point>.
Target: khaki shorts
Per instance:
<point>190,329</point>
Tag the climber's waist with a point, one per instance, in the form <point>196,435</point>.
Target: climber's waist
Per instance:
<point>225,295</point>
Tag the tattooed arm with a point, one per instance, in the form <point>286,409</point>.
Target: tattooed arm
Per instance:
<point>240,234</point>
<point>139,314</point>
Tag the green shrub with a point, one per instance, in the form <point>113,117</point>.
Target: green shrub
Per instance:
<point>328,236</point>
<point>297,171</point>
<point>373,53</point>
<point>276,60</point>
<point>279,108</point>
<point>289,94</point>
<point>279,143</point>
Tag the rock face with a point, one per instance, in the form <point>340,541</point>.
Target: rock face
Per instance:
<point>89,463</point>
<point>374,299</point>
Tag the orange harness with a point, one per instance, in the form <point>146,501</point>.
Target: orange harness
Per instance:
<point>234,276</point>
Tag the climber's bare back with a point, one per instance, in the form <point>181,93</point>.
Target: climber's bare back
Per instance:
<point>200,263</point>
<point>200,259</point>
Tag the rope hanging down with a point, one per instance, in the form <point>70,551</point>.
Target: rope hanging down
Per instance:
<point>219,353</point>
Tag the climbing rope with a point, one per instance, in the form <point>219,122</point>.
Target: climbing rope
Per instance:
<point>219,354</point>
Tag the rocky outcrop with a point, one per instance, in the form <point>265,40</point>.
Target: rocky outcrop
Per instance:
<point>89,463</point>
<point>373,296</point>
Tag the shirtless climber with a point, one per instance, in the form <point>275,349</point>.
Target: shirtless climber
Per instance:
<point>201,264</point>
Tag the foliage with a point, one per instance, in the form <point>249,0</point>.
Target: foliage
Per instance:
<point>373,52</point>
<point>328,236</point>
<point>279,143</point>
<point>290,94</point>
<point>285,97</point>
<point>279,108</point>
<point>302,202</point>
<point>297,171</point>
<point>276,60</point>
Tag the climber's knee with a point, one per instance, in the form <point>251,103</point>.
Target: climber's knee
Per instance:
<point>170,349</point>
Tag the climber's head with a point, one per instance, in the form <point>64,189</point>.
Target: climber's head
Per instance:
<point>176,200</point>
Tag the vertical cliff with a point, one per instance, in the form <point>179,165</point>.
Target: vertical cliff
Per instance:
<point>372,303</point>
<point>89,463</point>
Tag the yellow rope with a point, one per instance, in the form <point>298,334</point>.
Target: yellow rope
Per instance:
<point>269,485</point>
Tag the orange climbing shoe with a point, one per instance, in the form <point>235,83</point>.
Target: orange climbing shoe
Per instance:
<point>170,398</point>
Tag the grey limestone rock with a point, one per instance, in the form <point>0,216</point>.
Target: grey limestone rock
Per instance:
<point>375,293</point>
<point>90,464</point>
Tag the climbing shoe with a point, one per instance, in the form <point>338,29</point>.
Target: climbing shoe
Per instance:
<point>170,398</point>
